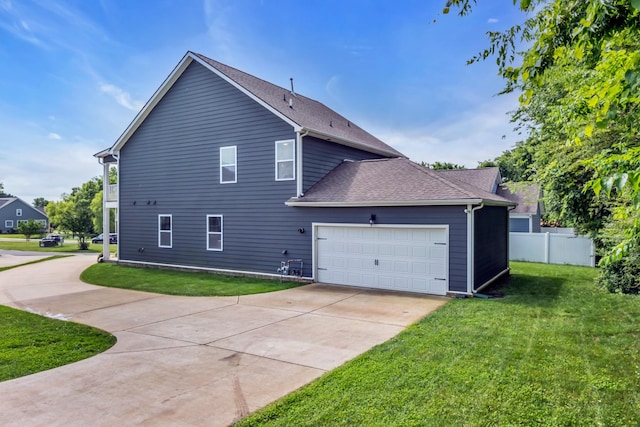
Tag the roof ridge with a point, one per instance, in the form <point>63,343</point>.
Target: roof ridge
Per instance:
<point>444,180</point>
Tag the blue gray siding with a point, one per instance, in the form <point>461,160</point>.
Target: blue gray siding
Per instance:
<point>520,225</point>
<point>321,157</point>
<point>491,243</point>
<point>171,166</point>
<point>535,224</point>
<point>8,212</point>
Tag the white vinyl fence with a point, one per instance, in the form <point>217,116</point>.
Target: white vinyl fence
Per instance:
<point>552,248</point>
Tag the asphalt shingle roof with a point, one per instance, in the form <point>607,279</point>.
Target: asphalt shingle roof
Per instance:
<point>305,112</point>
<point>6,200</point>
<point>526,195</point>
<point>395,180</point>
<point>484,178</point>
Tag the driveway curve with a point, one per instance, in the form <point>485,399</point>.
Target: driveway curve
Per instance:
<point>189,361</point>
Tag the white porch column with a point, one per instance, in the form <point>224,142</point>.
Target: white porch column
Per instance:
<point>105,211</point>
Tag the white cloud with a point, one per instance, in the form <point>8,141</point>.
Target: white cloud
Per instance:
<point>121,97</point>
<point>55,136</point>
<point>492,21</point>
<point>478,134</point>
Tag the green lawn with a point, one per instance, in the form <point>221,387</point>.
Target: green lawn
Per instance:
<point>33,245</point>
<point>31,343</point>
<point>554,351</point>
<point>172,282</point>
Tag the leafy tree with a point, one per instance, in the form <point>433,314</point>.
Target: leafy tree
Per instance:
<point>40,202</point>
<point>73,213</point>
<point>29,228</point>
<point>441,165</point>
<point>2,193</point>
<point>96,204</point>
<point>579,81</point>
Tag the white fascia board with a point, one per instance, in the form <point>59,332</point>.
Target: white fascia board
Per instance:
<point>384,203</point>
<point>296,126</point>
<point>151,103</point>
<point>353,144</point>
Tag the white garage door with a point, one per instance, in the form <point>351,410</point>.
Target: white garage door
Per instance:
<point>385,257</point>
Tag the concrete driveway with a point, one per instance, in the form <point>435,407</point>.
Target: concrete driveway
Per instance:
<point>189,361</point>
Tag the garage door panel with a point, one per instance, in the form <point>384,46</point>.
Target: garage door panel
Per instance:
<point>402,258</point>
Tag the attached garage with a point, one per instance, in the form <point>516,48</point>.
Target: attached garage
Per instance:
<point>392,224</point>
<point>396,257</point>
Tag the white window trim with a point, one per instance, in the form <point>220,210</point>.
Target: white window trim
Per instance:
<point>20,221</point>
<point>292,159</point>
<point>235,164</point>
<point>18,212</point>
<point>8,223</point>
<point>165,231</point>
<point>221,233</point>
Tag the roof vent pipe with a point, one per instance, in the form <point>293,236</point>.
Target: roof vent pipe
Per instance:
<point>293,92</point>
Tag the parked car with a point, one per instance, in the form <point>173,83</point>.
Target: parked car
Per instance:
<point>51,240</point>
<point>113,238</point>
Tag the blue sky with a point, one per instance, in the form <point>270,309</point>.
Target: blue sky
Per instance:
<point>75,73</point>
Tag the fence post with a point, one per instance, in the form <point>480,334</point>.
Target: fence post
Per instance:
<point>546,247</point>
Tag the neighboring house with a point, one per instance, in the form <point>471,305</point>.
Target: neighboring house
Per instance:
<point>14,210</point>
<point>525,218</point>
<point>226,172</point>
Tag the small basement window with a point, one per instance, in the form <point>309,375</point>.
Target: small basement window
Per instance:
<point>214,232</point>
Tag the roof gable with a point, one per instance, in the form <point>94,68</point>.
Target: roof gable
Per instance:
<point>4,201</point>
<point>396,181</point>
<point>302,113</point>
<point>487,179</point>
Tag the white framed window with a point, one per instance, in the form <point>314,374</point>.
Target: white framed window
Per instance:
<point>214,232</point>
<point>18,212</point>
<point>165,231</point>
<point>285,160</point>
<point>20,221</point>
<point>228,165</point>
<point>8,223</point>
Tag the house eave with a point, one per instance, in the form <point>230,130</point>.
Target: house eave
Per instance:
<point>451,202</point>
<point>353,144</point>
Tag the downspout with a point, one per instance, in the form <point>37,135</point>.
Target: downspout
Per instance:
<point>299,174</point>
<point>471,246</point>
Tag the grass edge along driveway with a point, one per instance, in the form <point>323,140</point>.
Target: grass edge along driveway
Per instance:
<point>555,351</point>
<point>32,343</point>
<point>173,282</point>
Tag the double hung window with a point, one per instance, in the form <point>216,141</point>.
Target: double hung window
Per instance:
<point>228,165</point>
<point>165,231</point>
<point>214,232</point>
<point>285,160</point>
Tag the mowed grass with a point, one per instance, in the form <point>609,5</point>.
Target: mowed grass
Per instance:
<point>31,343</point>
<point>554,351</point>
<point>33,246</point>
<point>172,282</point>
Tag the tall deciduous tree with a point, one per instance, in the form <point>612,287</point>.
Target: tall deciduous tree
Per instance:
<point>579,81</point>
<point>73,213</point>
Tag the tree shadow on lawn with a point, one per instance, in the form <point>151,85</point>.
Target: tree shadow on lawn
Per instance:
<point>528,289</point>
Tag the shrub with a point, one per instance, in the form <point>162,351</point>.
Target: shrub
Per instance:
<point>621,276</point>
